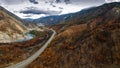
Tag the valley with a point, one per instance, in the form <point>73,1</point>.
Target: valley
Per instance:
<point>89,38</point>
<point>19,43</point>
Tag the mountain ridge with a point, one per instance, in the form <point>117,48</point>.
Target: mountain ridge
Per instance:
<point>58,19</point>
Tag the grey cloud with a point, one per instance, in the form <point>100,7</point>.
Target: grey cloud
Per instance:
<point>13,1</point>
<point>88,2</point>
<point>34,10</point>
<point>82,2</point>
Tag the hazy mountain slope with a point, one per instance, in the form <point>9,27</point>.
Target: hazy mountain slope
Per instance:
<point>51,20</point>
<point>81,16</point>
<point>11,26</point>
<point>93,44</point>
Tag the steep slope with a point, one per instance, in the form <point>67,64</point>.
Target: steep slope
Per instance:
<point>90,40</point>
<point>11,26</point>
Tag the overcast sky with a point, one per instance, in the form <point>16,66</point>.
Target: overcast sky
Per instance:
<point>77,1</point>
<point>80,2</point>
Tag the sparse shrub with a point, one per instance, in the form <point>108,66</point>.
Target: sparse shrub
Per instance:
<point>103,36</point>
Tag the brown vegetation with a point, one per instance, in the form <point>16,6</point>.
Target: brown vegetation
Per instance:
<point>93,44</point>
<point>88,41</point>
<point>79,47</point>
<point>18,51</point>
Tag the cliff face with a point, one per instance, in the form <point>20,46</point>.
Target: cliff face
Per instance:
<point>93,44</point>
<point>10,27</point>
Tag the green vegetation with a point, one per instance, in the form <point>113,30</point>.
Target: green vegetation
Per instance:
<point>34,32</point>
<point>118,5</point>
<point>37,33</point>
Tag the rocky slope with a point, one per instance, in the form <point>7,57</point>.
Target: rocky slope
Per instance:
<point>11,27</point>
<point>89,40</point>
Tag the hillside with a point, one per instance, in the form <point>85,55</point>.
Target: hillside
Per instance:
<point>89,40</point>
<point>12,53</point>
<point>11,27</point>
<point>51,20</point>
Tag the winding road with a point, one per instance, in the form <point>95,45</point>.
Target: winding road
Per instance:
<point>29,60</point>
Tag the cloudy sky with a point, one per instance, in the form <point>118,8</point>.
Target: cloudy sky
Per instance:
<point>26,9</point>
<point>78,1</point>
<point>82,2</point>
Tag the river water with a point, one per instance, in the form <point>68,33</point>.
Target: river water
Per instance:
<point>27,37</point>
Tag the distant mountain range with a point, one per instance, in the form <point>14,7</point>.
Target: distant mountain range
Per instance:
<point>84,15</point>
<point>51,20</point>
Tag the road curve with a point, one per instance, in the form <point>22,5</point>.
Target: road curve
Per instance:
<point>29,60</point>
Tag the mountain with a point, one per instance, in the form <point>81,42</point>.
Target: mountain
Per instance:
<point>83,15</point>
<point>11,26</point>
<point>51,20</point>
<point>89,40</point>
